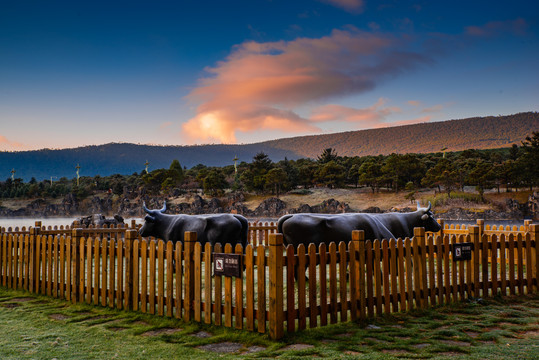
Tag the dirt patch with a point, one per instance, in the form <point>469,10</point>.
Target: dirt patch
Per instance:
<point>531,334</point>
<point>449,353</point>
<point>455,342</point>
<point>225,347</point>
<point>116,329</point>
<point>395,352</point>
<point>421,346</point>
<point>10,305</point>
<point>353,353</point>
<point>298,347</point>
<point>254,349</point>
<point>23,299</point>
<point>162,331</point>
<point>60,317</point>
<point>141,323</point>
<point>472,334</point>
<point>202,334</point>
<point>96,318</point>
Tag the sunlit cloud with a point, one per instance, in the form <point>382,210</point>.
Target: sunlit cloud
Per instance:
<point>516,27</point>
<point>7,145</point>
<point>435,108</point>
<point>353,6</point>
<point>166,125</point>
<point>414,102</point>
<point>260,85</point>
<point>372,116</point>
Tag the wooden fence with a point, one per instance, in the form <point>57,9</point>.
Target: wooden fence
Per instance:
<point>279,289</point>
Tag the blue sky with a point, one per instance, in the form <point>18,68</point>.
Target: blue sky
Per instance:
<point>198,72</point>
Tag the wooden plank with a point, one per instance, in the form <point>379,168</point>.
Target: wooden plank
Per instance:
<point>343,291</point>
<point>27,267</point>
<point>197,259</point>
<point>377,277</point>
<point>151,283</point>
<point>15,261</point>
<point>402,282</point>
<point>322,270</point>
<point>49,265</point>
<point>9,265</point>
<point>447,270</point>
<point>160,277</point>
<point>503,265</point>
<point>416,258</point>
<point>3,267</point>
<point>469,272</point>
<point>409,274</point>
<point>332,284</point>
<point>290,289</point>
<point>228,293</point>
<point>511,265</point>
<point>208,284</point>
<point>68,245</point>
<point>484,264</point>
<point>423,269</point>
<point>454,271</point>
<point>352,250</point>
<point>89,269</point>
<point>462,281</point>
<point>432,260</point>
<point>143,276</point>
<point>239,294</point>
<point>494,264</point>
<point>520,264</point>
<point>169,278</point>
<point>385,267</point>
<point>120,273</point>
<point>261,287</point>
<point>529,264</point>
<point>219,292</point>
<point>313,313</point>
<point>96,259</point>
<point>136,274</point>
<point>112,273</point>
<point>178,253</point>
<point>369,262</point>
<point>275,266</point>
<point>302,312</point>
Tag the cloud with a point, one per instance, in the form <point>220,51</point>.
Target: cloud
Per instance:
<point>7,145</point>
<point>516,27</point>
<point>414,102</point>
<point>260,85</point>
<point>435,108</point>
<point>372,116</point>
<point>352,6</point>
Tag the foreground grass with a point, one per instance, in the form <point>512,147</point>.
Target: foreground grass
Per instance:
<point>36,327</point>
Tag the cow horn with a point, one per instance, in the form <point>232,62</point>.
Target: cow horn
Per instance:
<point>164,207</point>
<point>429,207</point>
<point>145,208</point>
<point>418,205</point>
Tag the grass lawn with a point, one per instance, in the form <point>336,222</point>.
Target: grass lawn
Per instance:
<point>38,327</point>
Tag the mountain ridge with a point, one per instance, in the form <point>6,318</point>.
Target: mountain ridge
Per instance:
<point>126,158</point>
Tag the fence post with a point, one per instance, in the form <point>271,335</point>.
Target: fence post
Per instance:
<point>419,237</point>
<point>133,224</point>
<point>358,237</point>
<point>76,236</point>
<point>34,233</point>
<point>190,239</point>
<point>474,237</point>
<point>534,236</point>
<point>276,313</point>
<point>130,236</point>
<point>441,232</point>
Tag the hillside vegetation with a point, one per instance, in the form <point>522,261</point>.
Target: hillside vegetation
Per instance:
<point>125,159</point>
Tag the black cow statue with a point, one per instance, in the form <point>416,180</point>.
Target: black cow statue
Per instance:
<point>213,228</point>
<point>324,228</point>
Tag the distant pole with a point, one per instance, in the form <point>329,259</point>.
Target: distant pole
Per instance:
<point>443,150</point>
<point>13,174</point>
<point>52,178</point>
<point>235,164</point>
<point>78,176</point>
<point>146,164</point>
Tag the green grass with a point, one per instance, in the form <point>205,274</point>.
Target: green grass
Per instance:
<point>441,199</point>
<point>38,327</point>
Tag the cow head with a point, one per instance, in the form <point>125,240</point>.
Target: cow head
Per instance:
<point>150,220</point>
<point>427,218</point>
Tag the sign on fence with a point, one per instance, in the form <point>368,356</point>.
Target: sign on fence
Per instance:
<point>227,264</point>
<point>462,251</point>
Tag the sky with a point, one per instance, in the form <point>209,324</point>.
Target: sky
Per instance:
<point>77,73</point>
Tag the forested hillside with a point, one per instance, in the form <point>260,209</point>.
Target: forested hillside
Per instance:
<point>455,135</point>
<point>104,160</point>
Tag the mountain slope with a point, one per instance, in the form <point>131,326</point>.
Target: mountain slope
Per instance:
<point>455,135</point>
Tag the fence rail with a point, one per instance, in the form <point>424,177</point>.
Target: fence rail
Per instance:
<point>280,288</point>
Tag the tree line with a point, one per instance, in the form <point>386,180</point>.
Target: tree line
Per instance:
<point>505,169</point>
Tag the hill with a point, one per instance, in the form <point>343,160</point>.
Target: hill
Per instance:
<point>115,158</point>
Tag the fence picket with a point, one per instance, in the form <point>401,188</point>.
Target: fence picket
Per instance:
<point>239,294</point>
<point>322,269</point>
<point>219,291</point>
<point>332,283</point>
<point>312,287</point>
<point>511,250</point>
<point>291,289</point>
<point>369,262</point>
<point>520,266</point>
<point>342,281</point>
<point>302,313</point>
<point>503,265</point>
<point>208,284</point>
<point>169,278</point>
<point>385,269</point>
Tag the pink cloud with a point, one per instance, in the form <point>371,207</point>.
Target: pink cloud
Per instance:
<point>414,102</point>
<point>516,27</point>
<point>372,116</point>
<point>259,85</point>
<point>353,6</point>
<point>435,108</point>
<point>8,145</point>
